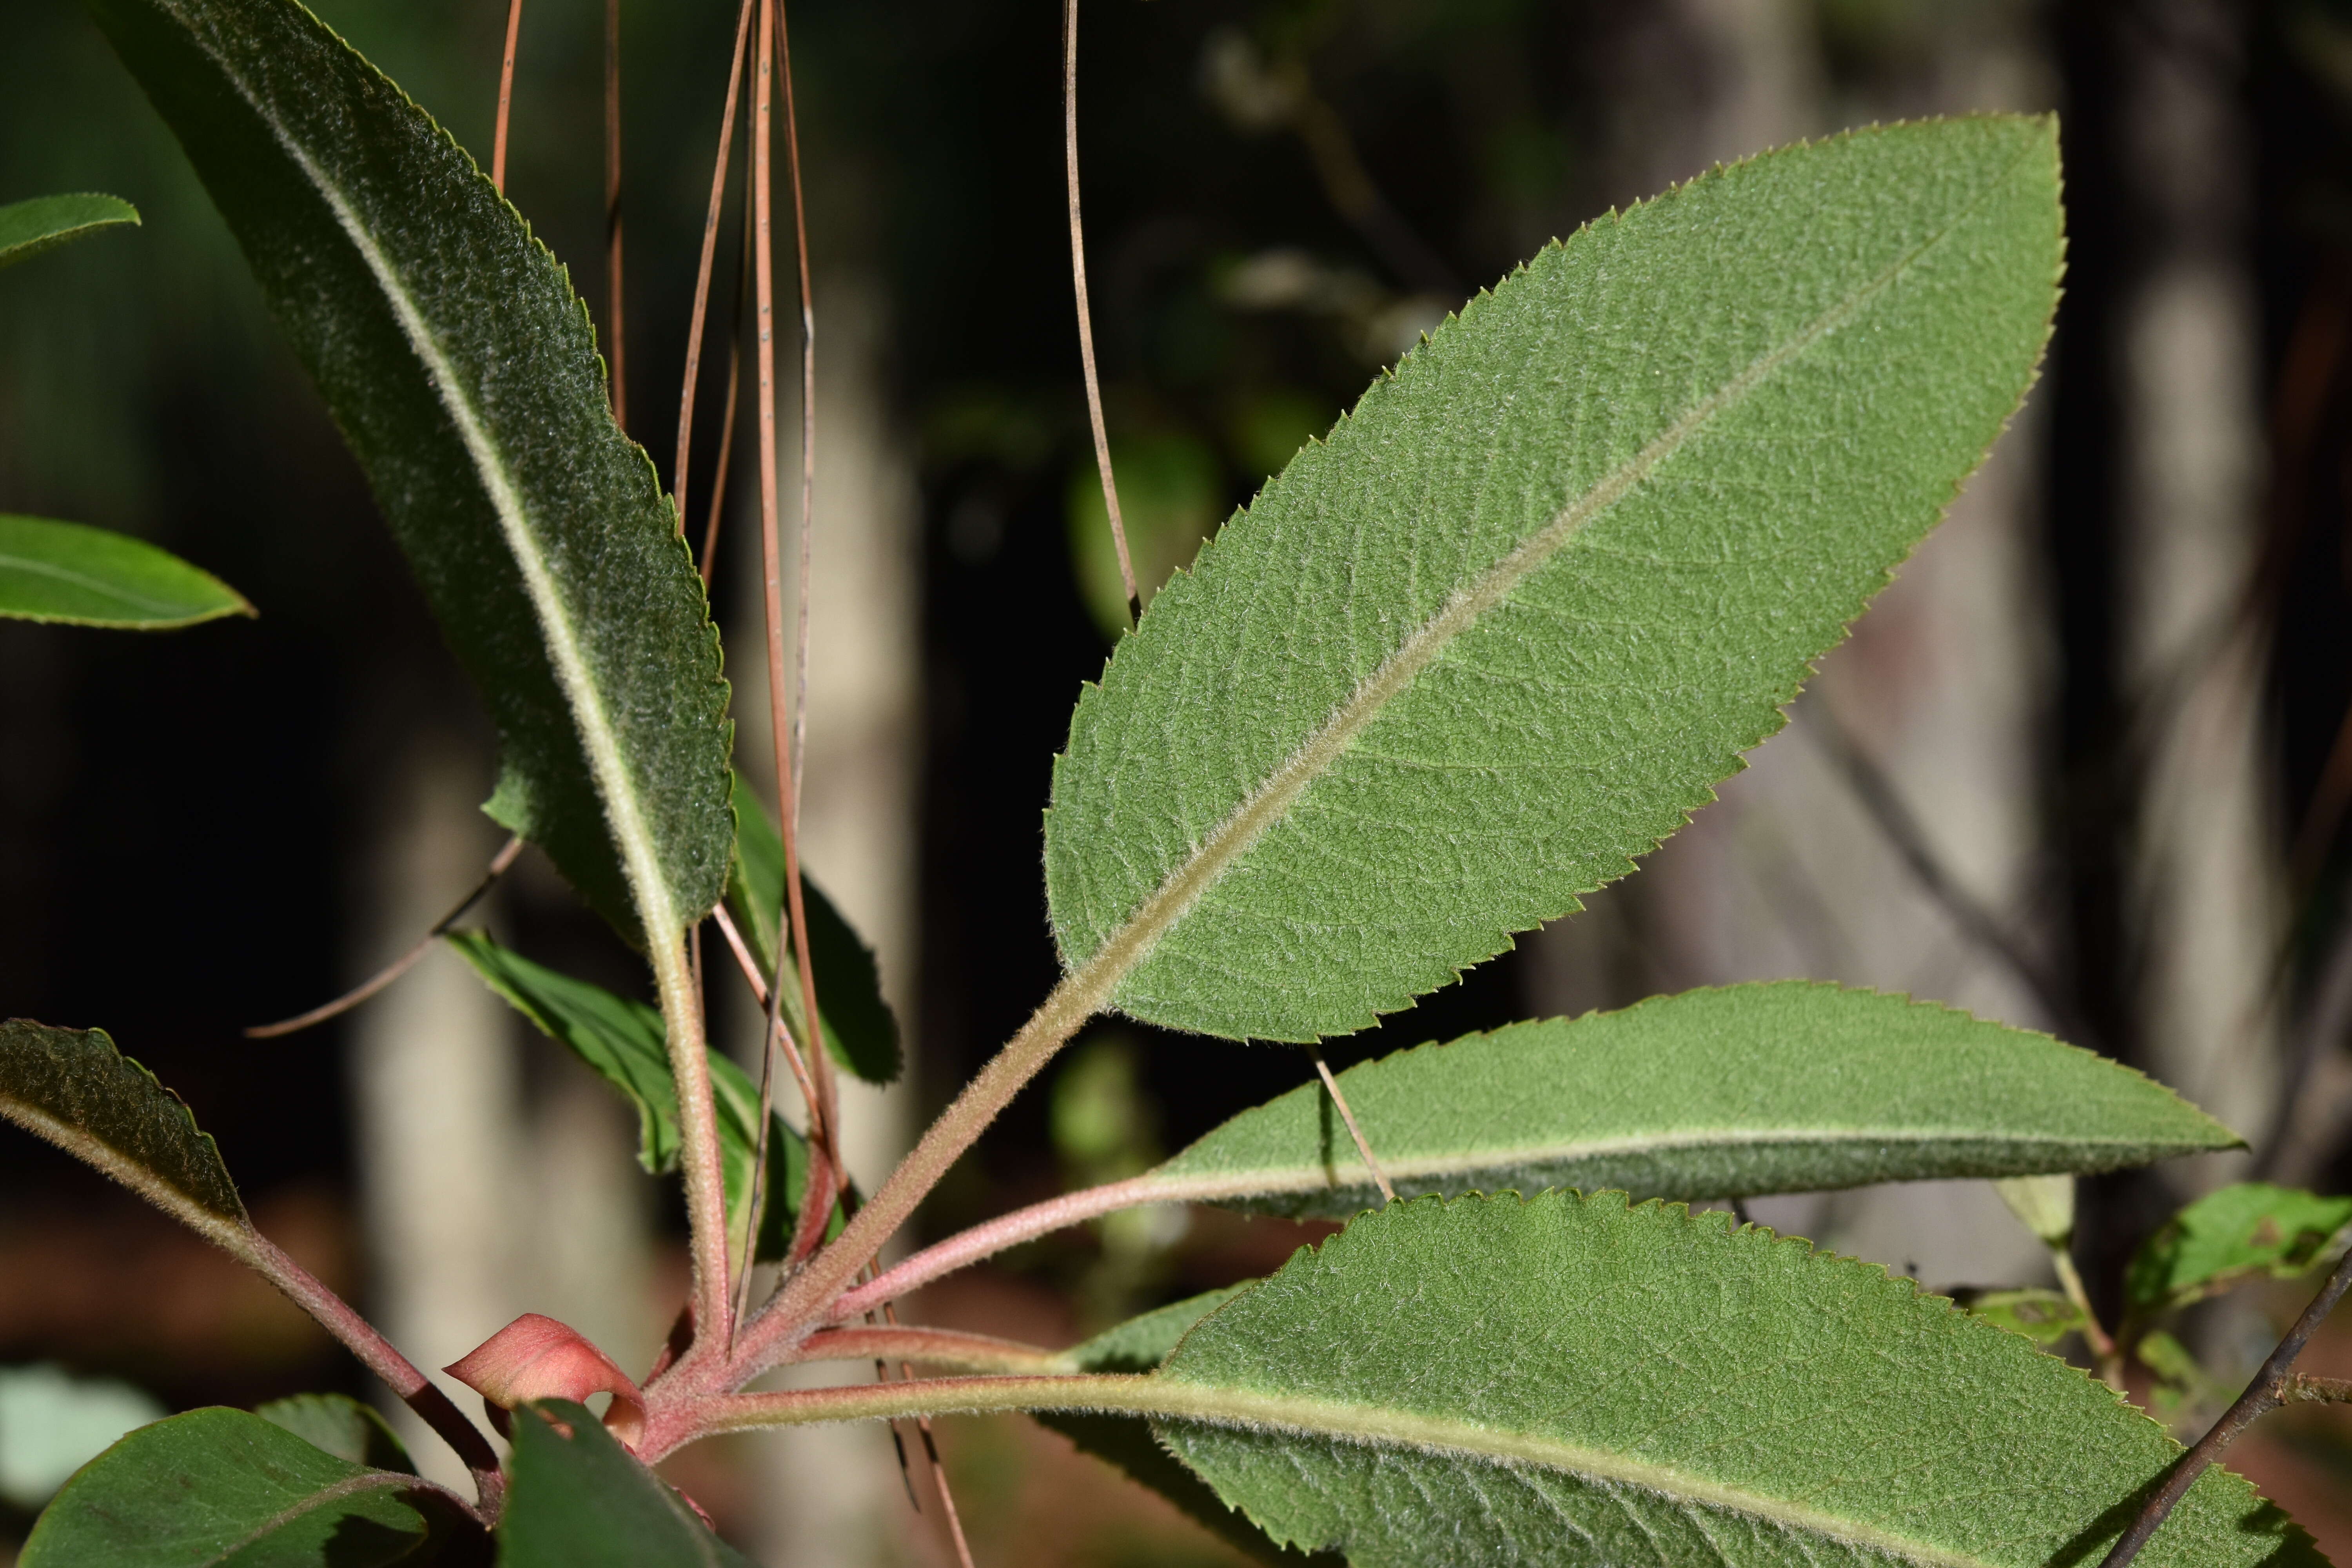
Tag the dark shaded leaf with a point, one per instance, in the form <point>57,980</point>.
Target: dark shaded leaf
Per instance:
<point>582,1500</point>
<point>860,1029</point>
<point>342,1426</point>
<point>463,373</point>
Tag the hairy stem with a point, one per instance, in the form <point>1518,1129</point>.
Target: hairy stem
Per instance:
<point>506,97</point>
<point>376,1353</point>
<point>2104,1348</point>
<point>699,1156</point>
<point>2274,1385</point>
<point>934,1347</point>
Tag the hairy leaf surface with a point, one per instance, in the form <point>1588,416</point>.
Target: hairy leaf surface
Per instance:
<point>88,577</point>
<point>463,371</point>
<point>1567,1380</point>
<point>342,1426</point>
<point>1507,627</point>
<point>1789,1086</point>
<point>1126,1442</point>
<point>74,1089</point>
<point>621,1041</point>
<point>220,1489</point>
<point>43,223</point>
<point>2229,1237</point>
<point>860,1030</point>
<point>582,1500</point>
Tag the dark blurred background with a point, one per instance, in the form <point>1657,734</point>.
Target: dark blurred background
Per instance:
<point>2085,767</point>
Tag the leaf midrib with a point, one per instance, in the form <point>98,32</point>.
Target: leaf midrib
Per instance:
<point>81,580</point>
<point>655,908</point>
<point>1134,939</point>
<point>351,1486</point>
<point>1310,1177</point>
<point>1175,1398</point>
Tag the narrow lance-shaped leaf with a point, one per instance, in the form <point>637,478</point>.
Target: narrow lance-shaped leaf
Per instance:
<point>2229,1237</point>
<point>220,1486</point>
<point>859,1030</point>
<point>621,1041</point>
<point>74,1089</point>
<point>1125,1443</point>
<point>1570,1381</point>
<point>43,223</point>
<point>86,576</point>
<point>1502,633</point>
<point>580,1500</point>
<point>1788,1086</point>
<point>463,371</point>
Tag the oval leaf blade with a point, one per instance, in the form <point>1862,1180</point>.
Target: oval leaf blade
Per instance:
<point>43,223</point>
<point>1567,1380</point>
<point>1783,1086</point>
<point>581,1500</point>
<point>463,373</point>
<point>1505,629</point>
<point>88,577</point>
<point>220,1486</point>
<point>74,1089</point>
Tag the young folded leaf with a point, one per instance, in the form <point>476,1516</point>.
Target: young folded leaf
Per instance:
<point>1125,1443</point>
<point>860,1030</point>
<point>222,1487</point>
<point>74,1089</point>
<point>463,371</point>
<point>621,1041</point>
<point>1788,1086</point>
<point>1504,631</point>
<point>2229,1237</point>
<point>580,1500</point>
<point>84,576</point>
<point>1570,1380</point>
<point>43,223</point>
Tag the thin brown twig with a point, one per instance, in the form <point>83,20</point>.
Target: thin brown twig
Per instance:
<point>1086,314</point>
<point>619,340</point>
<point>398,966</point>
<point>1331,1086</point>
<point>2274,1385</point>
<point>703,269</point>
<point>506,97</point>
<point>727,419</point>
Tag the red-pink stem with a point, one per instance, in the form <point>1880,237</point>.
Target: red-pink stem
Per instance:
<point>968,1248</point>
<point>936,1347</point>
<point>376,1353</point>
<point>703,271</point>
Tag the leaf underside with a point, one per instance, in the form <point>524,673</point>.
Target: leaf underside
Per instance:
<point>1789,1086</point>
<point>1505,630</point>
<point>74,1089</point>
<point>463,373</point>
<point>42,222</point>
<point>1568,1380</point>
<point>581,1500</point>
<point>621,1042</point>
<point>84,576</point>
<point>220,1486</point>
<point>339,1424</point>
<point>860,1031</point>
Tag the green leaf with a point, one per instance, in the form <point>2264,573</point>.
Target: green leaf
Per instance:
<point>463,373</point>
<point>220,1486</point>
<point>86,576</point>
<point>621,1042</point>
<point>582,1500</point>
<point>342,1426</point>
<point>1507,627</point>
<point>74,1089</point>
<point>1789,1086</point>
<point>43,223</point>
<point>1569,1379</point>
<point>2045,1317</point>
<point>2229,1237</point>
<point>1125,1443</point>
<point>859,1030</point>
